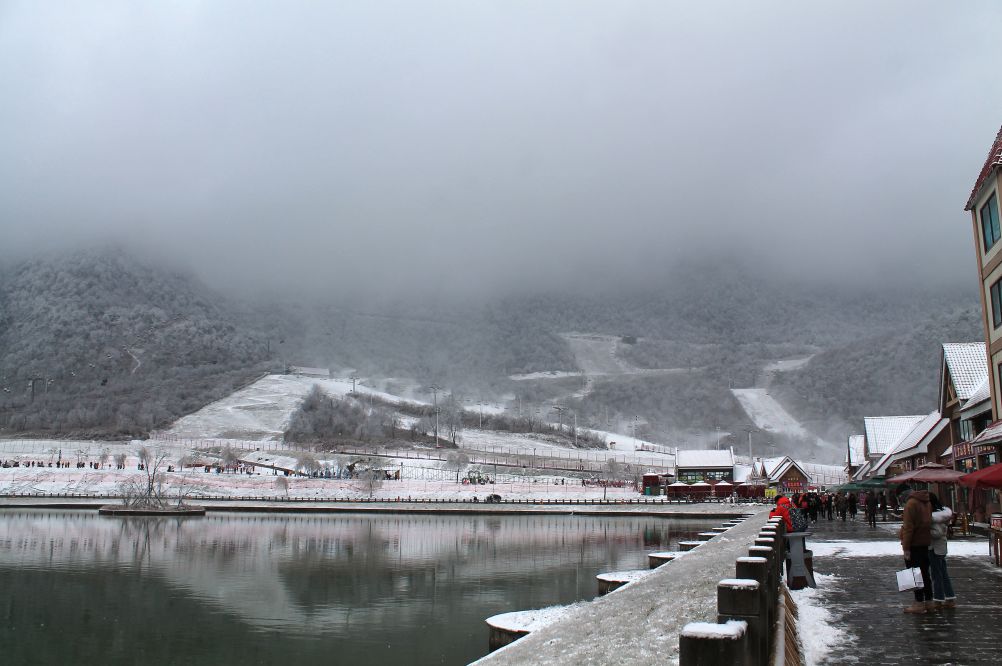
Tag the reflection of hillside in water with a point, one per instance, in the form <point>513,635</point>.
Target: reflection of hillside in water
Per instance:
<point>322,572</point>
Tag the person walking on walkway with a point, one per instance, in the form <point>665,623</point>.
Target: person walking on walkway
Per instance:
<point>916,537</point>
<point>942,587</point>
<point>783,506</point>
<point>853,505</point>
<point>871,508</point>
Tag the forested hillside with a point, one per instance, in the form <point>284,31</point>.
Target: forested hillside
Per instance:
<point>114,345</point>
<point>892,374</point>
<point>96,342</point>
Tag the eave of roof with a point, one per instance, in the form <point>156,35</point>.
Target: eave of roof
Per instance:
<point>994,160</point>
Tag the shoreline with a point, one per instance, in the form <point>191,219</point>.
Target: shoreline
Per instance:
<point>682,511</point>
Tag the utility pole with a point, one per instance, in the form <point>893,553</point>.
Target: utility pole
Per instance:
<point>560,416</point>
<point>750,458</point>
<point>575,428</point>
<point>435,389</point>
<point>353,380</point>
<point>37,379</point>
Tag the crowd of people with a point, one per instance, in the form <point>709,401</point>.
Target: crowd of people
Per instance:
<point>840,505</point>
<point>925,526</point>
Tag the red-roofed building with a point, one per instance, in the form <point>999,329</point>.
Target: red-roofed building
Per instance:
<point>984,206</point>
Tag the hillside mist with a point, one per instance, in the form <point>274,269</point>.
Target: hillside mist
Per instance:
<point>118,345</point>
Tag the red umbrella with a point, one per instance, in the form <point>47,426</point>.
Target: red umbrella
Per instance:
<point>989,477</point>
<point>928,473</point>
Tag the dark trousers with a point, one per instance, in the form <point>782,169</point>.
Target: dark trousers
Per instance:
<point>920,559</point>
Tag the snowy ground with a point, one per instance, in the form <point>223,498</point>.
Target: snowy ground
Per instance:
<point>817,627</point>
<point>818,632</point>
<point>767,413</point>
<point>639,623</point>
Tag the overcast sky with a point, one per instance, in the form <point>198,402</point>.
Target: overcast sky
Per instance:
<point>422,145</point>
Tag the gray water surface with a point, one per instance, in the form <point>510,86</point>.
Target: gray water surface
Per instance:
<point>78,588</point>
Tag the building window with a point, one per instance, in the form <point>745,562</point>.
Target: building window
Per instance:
<point>990,222</point>
<point>996,297</point>
<point>966,431</point>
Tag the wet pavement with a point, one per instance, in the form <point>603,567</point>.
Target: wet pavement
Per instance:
<point>866,604</point>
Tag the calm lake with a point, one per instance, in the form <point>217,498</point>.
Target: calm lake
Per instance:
<point>78,588</point>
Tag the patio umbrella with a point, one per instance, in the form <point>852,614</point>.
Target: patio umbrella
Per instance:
<point>989,477</point>
<point>928,473</point>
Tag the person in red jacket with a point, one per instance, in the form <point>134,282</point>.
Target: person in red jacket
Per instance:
<point>783,510</point>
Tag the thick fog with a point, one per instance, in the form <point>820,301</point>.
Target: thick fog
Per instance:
<point>476,145</point>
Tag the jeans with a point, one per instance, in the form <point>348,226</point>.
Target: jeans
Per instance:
<point>942,588</point>
<point>920,558</point>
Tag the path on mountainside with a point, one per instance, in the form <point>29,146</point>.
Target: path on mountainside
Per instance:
<point>597,356</point>
<point>766,412</point>
<point>136,359</point>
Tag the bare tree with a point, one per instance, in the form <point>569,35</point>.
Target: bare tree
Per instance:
<point>457,461</point>
<point>147,490</point>
<point>370,479</point>
<point>307,463</point>
<point>120,459</point>
<point>612,471</point>
<point>229,457</point>
<point>282,483</point>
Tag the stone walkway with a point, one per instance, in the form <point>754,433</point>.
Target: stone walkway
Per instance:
<point>865,603</point>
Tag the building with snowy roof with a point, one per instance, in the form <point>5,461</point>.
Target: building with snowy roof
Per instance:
<point>694,465</point>
<point>922,444</point>
<point>881,436</point>
<point>786,474</point>
<point>964,399</point>
<point>855,453</point>
<point>983,205</point>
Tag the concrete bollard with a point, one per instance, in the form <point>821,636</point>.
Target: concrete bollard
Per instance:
<point>655,560</point>
<point>720,530</point>
<point>757,568</point>
<point>702,643</point>
<point>688,545</point>
<point>706,536</point>
<point>740,599</point>
<point>770,555</point>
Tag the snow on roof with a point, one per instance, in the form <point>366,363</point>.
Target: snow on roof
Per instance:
<point>994,160</point>
<point>979,401</point>
<point>884,432</point>
<point>769,464</point>
<point>824,475</point>
<point>993,433</point>
<point>967,363</point>
<point>741,472</point>
<point>701,458</point>
<point>915,441</point>
<point>862,471</point>
<point>785,463</point>
<point>856,452</point>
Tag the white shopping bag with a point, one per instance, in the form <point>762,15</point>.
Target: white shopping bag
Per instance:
<point>909,579</point>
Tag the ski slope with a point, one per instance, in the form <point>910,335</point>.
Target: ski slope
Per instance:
<point>768,414</point>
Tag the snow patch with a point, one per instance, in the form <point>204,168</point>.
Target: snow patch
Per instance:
<point>890,548</point>
<point>817,628</point>
<point>733,629</point>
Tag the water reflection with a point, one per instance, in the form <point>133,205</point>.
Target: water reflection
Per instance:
<point>372,587</point>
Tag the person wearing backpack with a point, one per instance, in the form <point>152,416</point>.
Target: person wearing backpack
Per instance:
<point>783,511</point>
